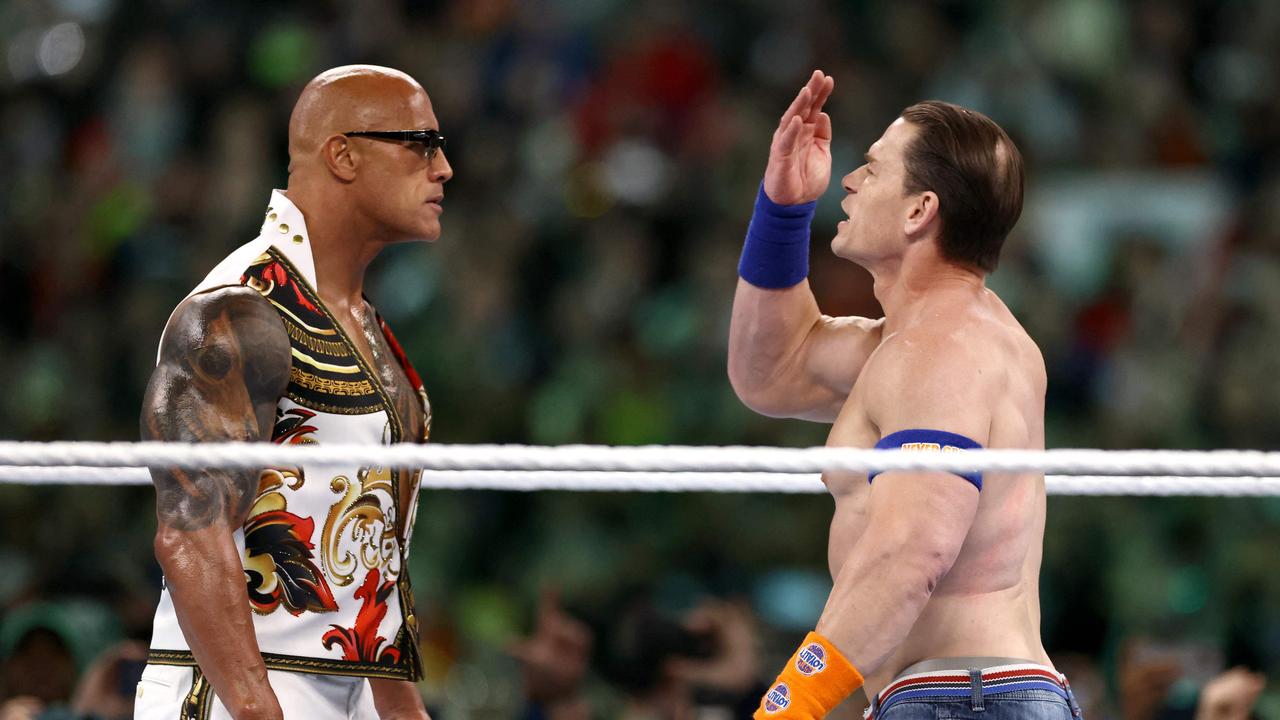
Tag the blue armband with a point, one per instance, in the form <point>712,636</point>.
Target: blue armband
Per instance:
<point>932,441</point>
<point>776,253</point>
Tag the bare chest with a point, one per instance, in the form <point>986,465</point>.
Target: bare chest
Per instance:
<point>852,429</point>
<point>369,341</point>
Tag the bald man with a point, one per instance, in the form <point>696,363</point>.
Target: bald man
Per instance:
<point>286,591</point>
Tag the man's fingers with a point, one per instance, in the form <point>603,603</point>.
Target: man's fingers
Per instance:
<point>821,92</point>
<point>804,137</point>
<point>796,108</point>
<point>815,83</point>
<point>829,86</point>
<point>818,93</point>
<point>786,142</point>
<point>822,130</point>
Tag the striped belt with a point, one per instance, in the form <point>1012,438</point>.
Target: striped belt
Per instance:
<point>975,684</point>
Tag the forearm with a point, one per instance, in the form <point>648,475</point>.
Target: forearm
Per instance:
<point>878,596</point>
<point>787,359</point>
<point>205,579</point>
<point>397,699</point>
<point>767,332</point>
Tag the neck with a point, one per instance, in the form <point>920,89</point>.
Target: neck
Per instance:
<point>903,284</point>
<point>342,246</point>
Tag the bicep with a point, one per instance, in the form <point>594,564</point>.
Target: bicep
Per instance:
<point>837,350</point>
<point>786,359</point>
<point>223,366</point>
<point>929,386</point>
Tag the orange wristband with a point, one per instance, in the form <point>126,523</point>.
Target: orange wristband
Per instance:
<point>816,679</point>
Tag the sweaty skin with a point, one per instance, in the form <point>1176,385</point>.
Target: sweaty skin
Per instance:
<point>225,359</point>
<point>924,566</point>
<point>224,364</point>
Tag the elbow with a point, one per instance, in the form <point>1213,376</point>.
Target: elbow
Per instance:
<point>933,568</point>
<point>169,546</point>
<point>760,402</point>
<point>163,545</point>
<point>755,389</point>
<point>924,560</point>
<point>742,384</point>
<point>931,564</point>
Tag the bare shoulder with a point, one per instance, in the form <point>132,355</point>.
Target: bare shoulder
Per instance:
<point>224,351</point>
<point>1013,344</point>
<point>932,356</point>
<point>232,310</point>
<point>951,370</point>
<point>224,363</point>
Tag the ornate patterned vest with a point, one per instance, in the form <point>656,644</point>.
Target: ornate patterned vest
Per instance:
<point>325,548</point>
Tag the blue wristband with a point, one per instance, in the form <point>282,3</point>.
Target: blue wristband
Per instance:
<point>776,253</point>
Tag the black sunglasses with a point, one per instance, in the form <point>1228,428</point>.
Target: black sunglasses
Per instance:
<point>431,139</point>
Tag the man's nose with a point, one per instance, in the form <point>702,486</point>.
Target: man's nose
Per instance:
<point>441,170</point>
<point>847,182</point>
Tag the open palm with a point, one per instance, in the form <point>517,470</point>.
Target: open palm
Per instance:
<point>799,166</point>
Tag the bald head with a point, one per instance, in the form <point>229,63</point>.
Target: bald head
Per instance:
<point>353,97</point>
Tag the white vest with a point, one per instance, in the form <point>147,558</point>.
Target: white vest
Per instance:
<point>325,567</point>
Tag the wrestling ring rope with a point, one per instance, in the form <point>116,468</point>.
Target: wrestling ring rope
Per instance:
<point>657,468</point>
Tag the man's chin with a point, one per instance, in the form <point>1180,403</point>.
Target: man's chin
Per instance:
<point>845,249</point>
<point>427,233</point>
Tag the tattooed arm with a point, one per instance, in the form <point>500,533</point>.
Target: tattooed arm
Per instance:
<point>224,363</point>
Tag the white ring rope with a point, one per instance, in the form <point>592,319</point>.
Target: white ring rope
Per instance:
<point>650,458</point>
<point>580,481</point>
<point>641,481</point>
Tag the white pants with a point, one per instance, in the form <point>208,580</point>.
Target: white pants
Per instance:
<point>175,693</point>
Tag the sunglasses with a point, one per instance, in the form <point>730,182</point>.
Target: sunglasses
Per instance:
<point>432,140</point>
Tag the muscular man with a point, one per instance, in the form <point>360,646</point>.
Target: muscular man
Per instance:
<point>935,573</point>
<point>286,590</point>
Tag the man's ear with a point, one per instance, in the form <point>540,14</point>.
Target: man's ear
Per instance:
<point>340,157</point>
<point>921,214</point>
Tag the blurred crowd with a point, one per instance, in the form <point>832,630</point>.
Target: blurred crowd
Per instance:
<point>606,156</point>
<point>708,664</point>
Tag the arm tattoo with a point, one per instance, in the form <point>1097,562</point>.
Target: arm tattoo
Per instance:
<point>224,364</point>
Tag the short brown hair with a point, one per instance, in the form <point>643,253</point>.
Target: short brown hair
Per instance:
<point>976,171</point>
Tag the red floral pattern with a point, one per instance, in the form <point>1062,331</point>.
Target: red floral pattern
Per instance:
<point>362,642</point>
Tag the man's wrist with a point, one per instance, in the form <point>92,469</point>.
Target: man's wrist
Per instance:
<point>814,681</point>
<point>775,254</point>
<point>258,709</point>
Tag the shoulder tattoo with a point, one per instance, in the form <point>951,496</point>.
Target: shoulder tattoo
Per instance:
<point>224,363</point>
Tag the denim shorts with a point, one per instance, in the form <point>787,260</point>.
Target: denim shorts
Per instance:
<point>1005,692</point>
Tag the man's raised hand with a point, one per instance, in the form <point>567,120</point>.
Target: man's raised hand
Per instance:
<point>799,168</point>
